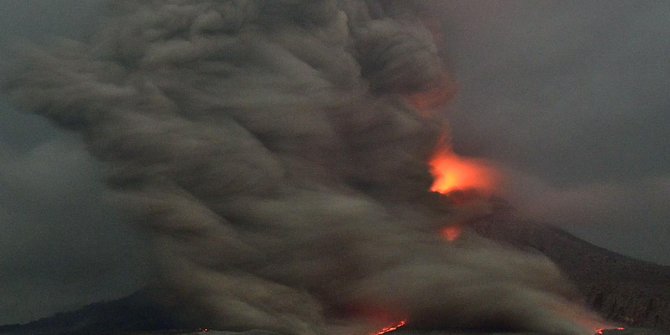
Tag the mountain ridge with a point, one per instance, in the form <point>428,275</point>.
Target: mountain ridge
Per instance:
<point>621,288</point>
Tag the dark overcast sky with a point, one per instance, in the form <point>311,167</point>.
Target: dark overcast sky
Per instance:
<point>569,98</point>
<point>61,243</point>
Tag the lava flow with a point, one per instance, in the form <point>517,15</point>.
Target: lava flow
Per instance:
<point>389,329</point>
<point>601,331</point>
<point>454,173</point>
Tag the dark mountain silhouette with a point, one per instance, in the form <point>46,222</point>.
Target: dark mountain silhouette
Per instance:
<point>137,312</point>
<point>622,289</point>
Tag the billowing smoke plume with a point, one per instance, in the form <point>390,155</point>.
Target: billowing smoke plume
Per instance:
<point>277,154</point>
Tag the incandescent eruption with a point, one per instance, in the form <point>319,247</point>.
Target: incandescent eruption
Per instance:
<point>454,173</point>
<point>277,152</point>
<point>393,328</point>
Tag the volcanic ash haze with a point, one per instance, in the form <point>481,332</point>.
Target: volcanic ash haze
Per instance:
<point>276,154</point>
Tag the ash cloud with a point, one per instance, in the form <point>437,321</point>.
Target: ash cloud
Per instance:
<point>271,152</point>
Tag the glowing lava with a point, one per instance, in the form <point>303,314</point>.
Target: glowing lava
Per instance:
<point>454,173</point>
<point>601,331</point>
<point>452,233</point>
<point>391,328</point>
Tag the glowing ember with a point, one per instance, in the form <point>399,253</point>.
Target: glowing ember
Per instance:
<point>391,328</point>
<point>452,233</point>
<point>601,331</point>
<point>454,173</point>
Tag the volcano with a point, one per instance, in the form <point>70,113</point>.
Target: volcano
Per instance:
<point>278,154</point>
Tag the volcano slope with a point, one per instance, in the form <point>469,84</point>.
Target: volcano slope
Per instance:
<point>620,288</point>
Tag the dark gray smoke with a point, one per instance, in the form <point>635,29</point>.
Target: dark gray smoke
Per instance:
<point>274,151</point>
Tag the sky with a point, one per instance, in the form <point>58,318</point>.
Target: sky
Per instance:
<point>62,245</point>
<point>568,98</point>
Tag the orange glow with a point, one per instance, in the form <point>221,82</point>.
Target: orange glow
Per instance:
<point>454,173</point>
<point>452,233</point>
<point>391,328</point>
<point>601,331</point>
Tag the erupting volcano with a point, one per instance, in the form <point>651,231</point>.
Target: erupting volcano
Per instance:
<point>455,173</point>
<point>268,150</point>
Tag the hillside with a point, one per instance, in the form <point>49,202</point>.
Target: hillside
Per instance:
<point>136,312</point>
<point>620,288</point>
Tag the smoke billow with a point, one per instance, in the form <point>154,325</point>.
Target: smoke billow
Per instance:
<point>276,153</point>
